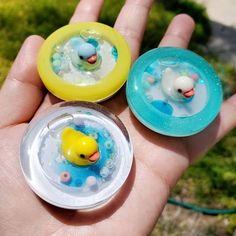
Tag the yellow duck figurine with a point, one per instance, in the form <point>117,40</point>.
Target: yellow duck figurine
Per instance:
<point>79,148</point>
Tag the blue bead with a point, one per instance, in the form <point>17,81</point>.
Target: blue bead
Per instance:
<point>114,53</point>
<point>163,106</point>
<point>78,182</point>
<point>56,69</point>
<point>93,41</point>
<point>201,81</point>
<point>109,144</point>
<point>56,62</point>
<point>56,56</point>
<point>56,65</point>
<point>151,70</point>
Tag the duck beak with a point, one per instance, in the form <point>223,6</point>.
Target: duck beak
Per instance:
<point>189,93</point>
<point>92,59</point>
<point>94,157</point>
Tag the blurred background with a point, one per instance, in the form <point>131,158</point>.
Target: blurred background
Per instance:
<point>210,182</point>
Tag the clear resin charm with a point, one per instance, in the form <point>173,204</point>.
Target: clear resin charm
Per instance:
<point>77,156</point>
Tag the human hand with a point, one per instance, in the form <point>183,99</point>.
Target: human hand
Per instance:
<point>159,160</point>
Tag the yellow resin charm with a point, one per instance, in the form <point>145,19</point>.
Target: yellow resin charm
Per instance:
<point>84,73</point>
<point>78,148</point>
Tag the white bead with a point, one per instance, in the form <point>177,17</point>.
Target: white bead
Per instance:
<point>91,181</point>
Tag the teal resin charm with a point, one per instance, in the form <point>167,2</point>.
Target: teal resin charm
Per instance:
<point>173,91</point>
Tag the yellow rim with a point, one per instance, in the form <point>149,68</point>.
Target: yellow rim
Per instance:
<point>101,90</point>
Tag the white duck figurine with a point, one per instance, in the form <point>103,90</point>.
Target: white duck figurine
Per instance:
<point>178,87</point>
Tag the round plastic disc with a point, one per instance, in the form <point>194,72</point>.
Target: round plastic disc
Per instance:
<point>77,156</point>
<point>85,61</point>
<point>173,91</point>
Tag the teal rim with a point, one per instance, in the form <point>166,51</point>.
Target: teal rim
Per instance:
<point>163,123</point>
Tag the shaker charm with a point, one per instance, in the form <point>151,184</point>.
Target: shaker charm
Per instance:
<point>173,91</point>
<point>84,61</point>
<point>77,156</point>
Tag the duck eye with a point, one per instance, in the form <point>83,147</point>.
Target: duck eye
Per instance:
<point>81,57</point>
<point>179,90</point>
<point>82,155</point>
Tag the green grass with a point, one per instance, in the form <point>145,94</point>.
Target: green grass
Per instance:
<point>211,181</point>
<point>21,18</point>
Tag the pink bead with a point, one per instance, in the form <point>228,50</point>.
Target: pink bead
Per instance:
<point>65,177</point>
<point>150,80</point>
<point>195,76</point>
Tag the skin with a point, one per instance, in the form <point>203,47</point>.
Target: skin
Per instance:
<point>159,160</point>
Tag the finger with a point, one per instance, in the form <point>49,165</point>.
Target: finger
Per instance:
<point>87,10</point>
<point>131,23</point>
<point>173,149</point>
<point>49,100</point>
<point>200,143</point>
<point>179,32</point>
<point>23,90</point>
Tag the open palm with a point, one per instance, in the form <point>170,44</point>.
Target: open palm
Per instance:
<point>159,160</point>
